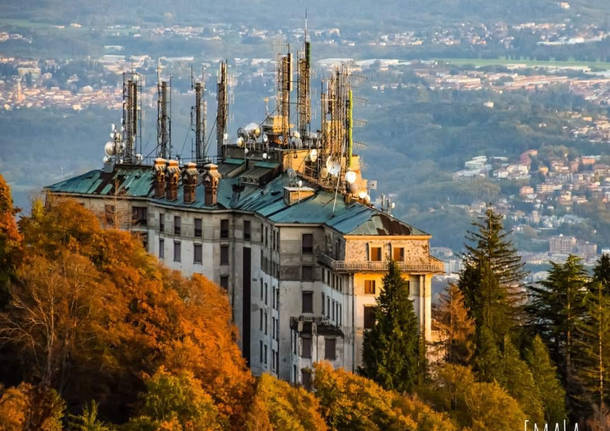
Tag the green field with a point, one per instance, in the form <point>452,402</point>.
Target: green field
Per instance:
<point>481,62</point>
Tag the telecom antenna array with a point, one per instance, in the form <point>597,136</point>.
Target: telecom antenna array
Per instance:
<point>200,117</point>
<point>222,111</point>
<point>131,119</point>
<point>164,121</point>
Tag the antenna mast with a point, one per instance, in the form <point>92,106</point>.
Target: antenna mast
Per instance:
<point>200,114</point>
<point>304,90</point>
<point>131,116</point>
<point>222,111</point>
<point>163,120</point>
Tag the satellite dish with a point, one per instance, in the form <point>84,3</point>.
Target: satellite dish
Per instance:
<point>291,173</point>
<point>350,177</point>
<point>109,148</point>
<point>240,141</point>
<point>313,155</point>
<point>333,167</point>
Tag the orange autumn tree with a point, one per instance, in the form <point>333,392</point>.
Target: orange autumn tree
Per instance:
<point>126,316</point>
<point>10,240</point>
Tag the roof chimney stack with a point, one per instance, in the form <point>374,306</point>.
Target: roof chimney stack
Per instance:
<point>189,182</point>
<point>173,177</point>
<point>159,168</point>
<point>211,179</point>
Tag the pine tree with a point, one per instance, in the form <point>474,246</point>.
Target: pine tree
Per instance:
<point>549,387</point>
<point>492,279</point>
<point>555,308</point>
<point>455,326</point>
<point>593,338</point>
<point>391,347</point>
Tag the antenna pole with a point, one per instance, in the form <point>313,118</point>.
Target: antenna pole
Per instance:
<point>222,109</point>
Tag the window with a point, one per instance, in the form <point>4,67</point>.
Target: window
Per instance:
<point>260,314</point>
<point>109,214</point>
<point>262,233</point>
<point>247,231</point>
<point>376,254</point>
<point>266,236</point>
<point>333,310</point>
<point>306,376</point>
<point>328,307</point>
<point>398,254</point>
<point>265,354</point>
<point>266,323</point>
<point>307,273</point>
<point>224,254</point>
<point>224,228</point>
<point>177,251</point>
<point>369,317</point>
<point>294,342</point>
<point>224,282</point>
<point>330,348</point>
<point>294,374</point>
<point>277,362</point>
<point>177,225</point>
<point>340,315</point>
<point>323,307</point>
<point>161,248</point>
<point>306,347</point>
<point>266,296</point>
<point>261,289</point>
<point>161,222</point>
<point>260,345</point>
<point>307,243</point>
<point>198,230</point>
<point>369,287</point>
<point>139,216</point>
<point>307,302</point>
<point>197,253</point>
<point>277,298</point>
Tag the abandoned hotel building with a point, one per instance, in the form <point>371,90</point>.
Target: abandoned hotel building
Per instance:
<point>280,218</point>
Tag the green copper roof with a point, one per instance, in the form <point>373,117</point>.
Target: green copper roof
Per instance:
<point>233,193</point>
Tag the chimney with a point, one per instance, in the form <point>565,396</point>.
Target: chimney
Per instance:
<point>173,177</point>
<point>159,168</point>
<point>189,182</point>
<point>211,178</point>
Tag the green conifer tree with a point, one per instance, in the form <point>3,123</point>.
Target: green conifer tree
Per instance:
<point>555,309</point>
<point>391,355</point>
<point>545,376</point>
<point>492,279</point>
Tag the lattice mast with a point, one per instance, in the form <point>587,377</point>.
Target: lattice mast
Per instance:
<point>222,112</point>
<point>200,118</point>
<point>164,122</point>
<point>131,117</point>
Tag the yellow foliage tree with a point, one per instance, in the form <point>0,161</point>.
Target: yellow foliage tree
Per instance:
<point>279,406</point>
<point>350,402</point>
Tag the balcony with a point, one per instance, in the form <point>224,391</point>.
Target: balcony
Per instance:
<point>433,266</point>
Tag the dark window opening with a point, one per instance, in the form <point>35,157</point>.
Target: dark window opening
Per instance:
<point>224,254</point>
<point>224,282</point>
<point>109,214</point>
<point>161,248</point>
<point>306,347</point>
<point>369,317</point>
<point>330,345</point>
<point>161,222</point>
<point>177,225</point>
<point>224,228</point>
<point>307,243</point>
<point>197,254</point>
<point>198,228</point>
<point>247,232</point>
<point>307,302</point>
<point>177,251</point>
<point>369,287</point>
